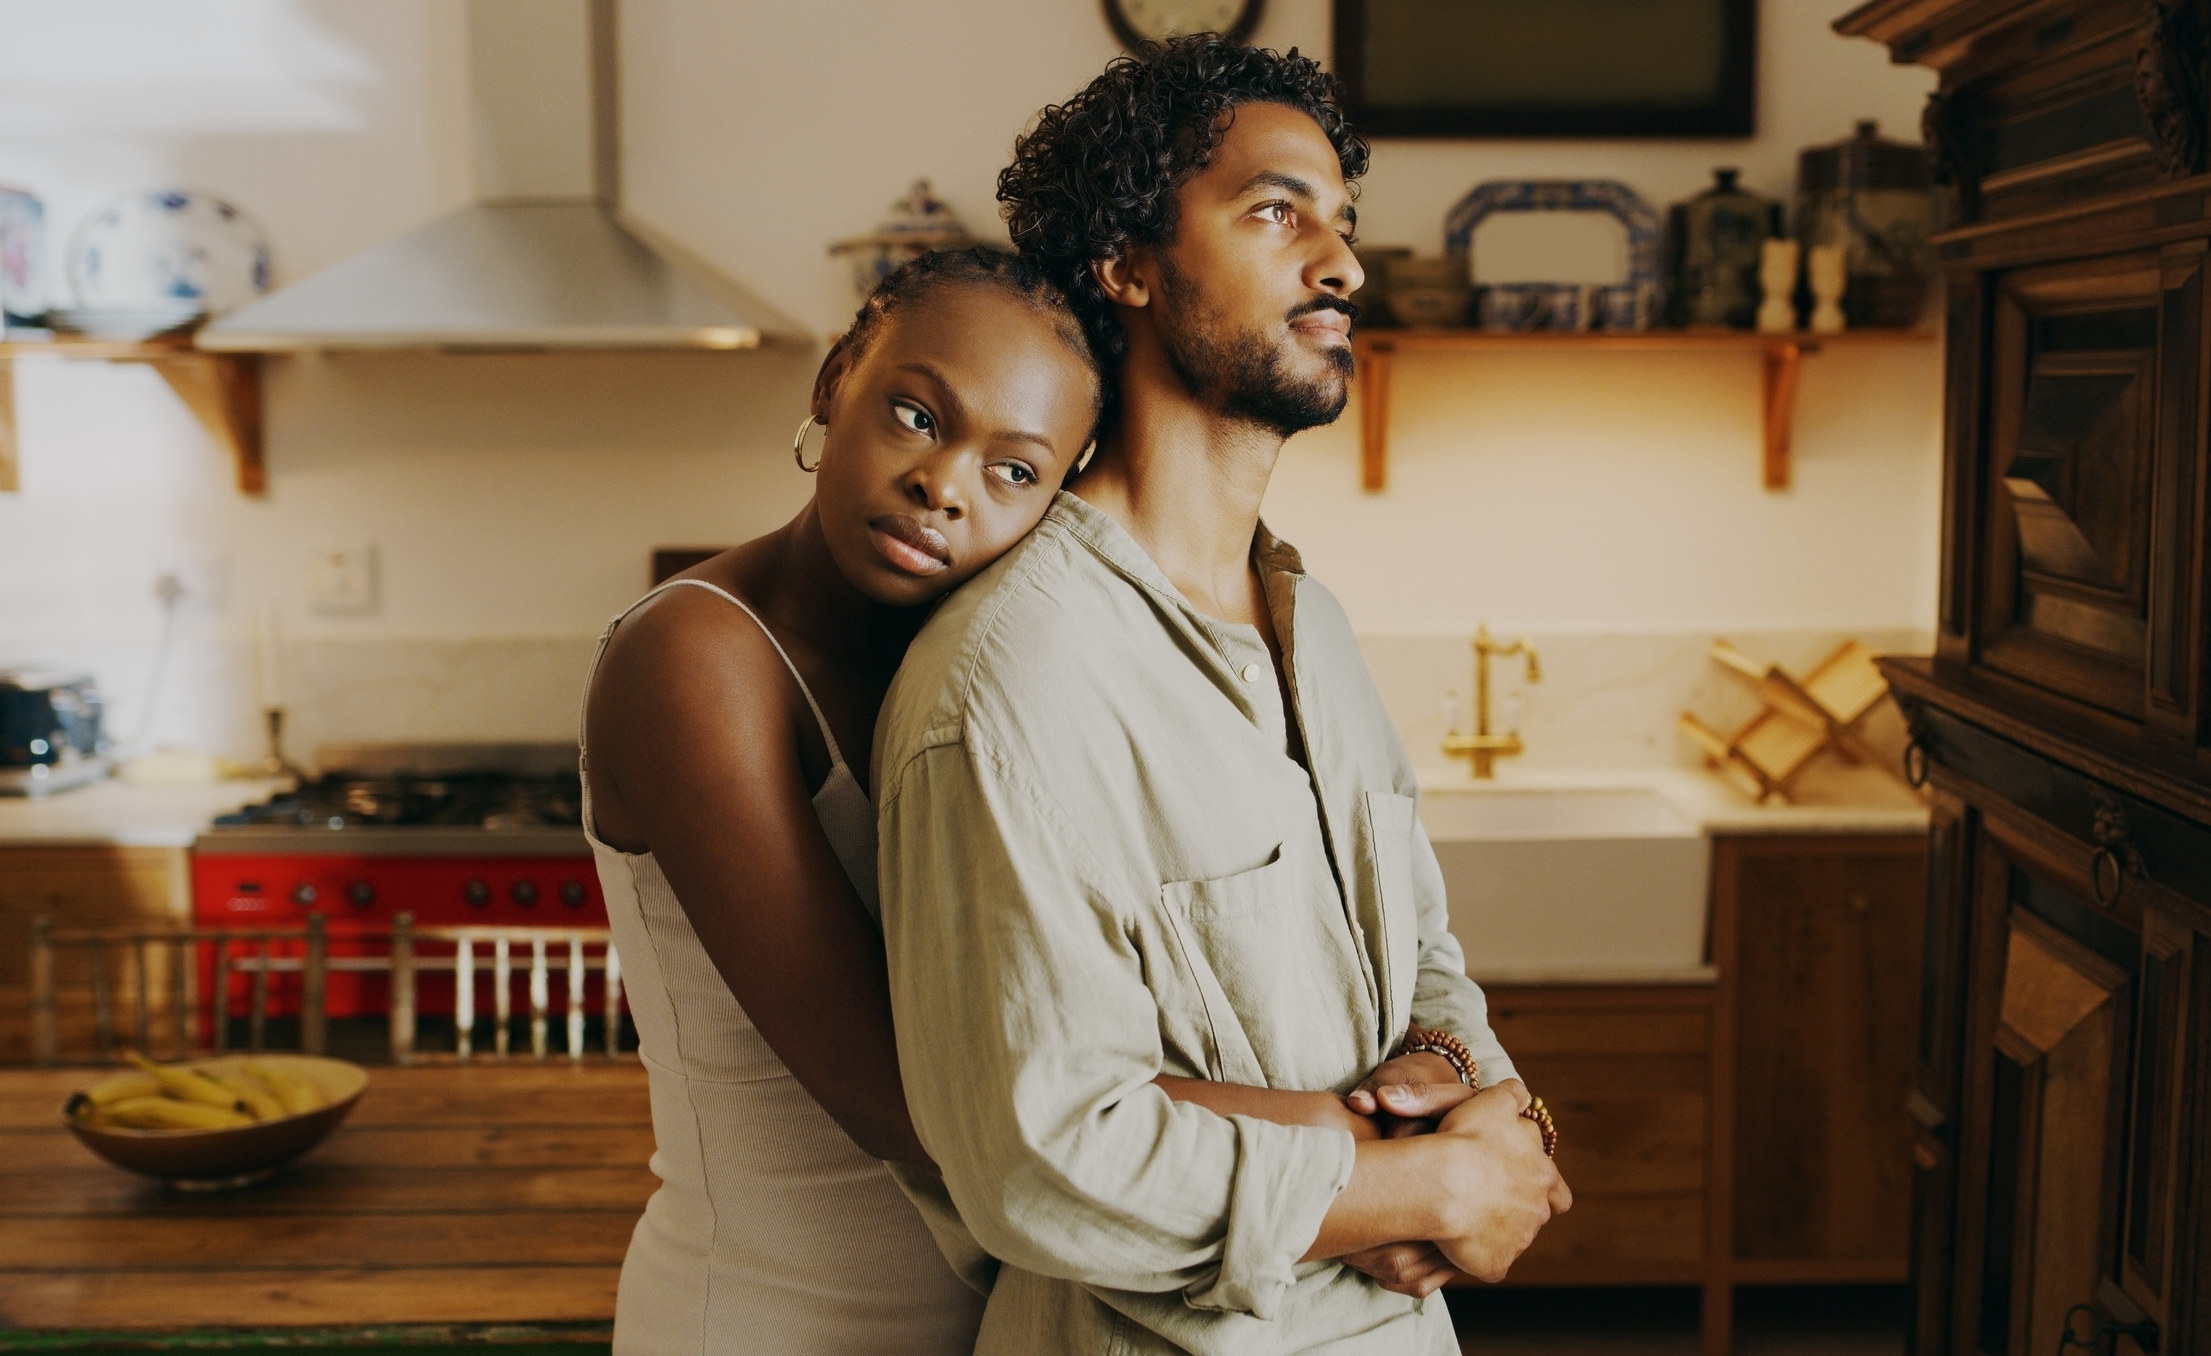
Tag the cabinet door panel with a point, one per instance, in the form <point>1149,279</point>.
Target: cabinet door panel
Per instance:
<point>2047,1130</point>
<point>2173,633</point>
<point>2161,1023</point>
<point>1933,1106</point>
<point>1828,933</point>
<point>2070,471</point>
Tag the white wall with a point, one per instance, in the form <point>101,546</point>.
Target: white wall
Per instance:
<point>515,498</point>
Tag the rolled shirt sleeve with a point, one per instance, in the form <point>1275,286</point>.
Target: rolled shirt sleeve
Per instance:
<point>1028,1039</point>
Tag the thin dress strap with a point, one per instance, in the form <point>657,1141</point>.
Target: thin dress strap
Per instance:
<point>836,758</point>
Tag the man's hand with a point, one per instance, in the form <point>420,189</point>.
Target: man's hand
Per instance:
<point>1509,1188</point>
<point>1415,1269</point>
<point>1381,1094</point>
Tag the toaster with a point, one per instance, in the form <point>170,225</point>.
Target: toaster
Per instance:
<point>49,731</point>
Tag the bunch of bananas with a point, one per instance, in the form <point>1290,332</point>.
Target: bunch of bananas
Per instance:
<point>181,1097</point>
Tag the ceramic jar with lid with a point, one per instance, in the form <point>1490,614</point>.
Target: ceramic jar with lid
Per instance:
<point>1713,245</point>
<point>1872,198</point>
<point>915,224</point>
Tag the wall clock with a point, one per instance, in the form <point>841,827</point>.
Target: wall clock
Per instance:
<point>1139,21</point>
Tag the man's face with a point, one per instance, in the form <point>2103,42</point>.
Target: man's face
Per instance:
<point>1251,306</point>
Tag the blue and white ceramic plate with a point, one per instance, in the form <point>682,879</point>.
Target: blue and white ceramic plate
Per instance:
<point>165,246</point>
<point>122,322</point>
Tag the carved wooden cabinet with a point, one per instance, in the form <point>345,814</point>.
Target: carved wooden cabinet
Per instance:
<point>2063,1082</point>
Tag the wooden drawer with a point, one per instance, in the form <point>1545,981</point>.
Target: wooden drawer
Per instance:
<point>1626,1073</point>
<point>1619,1240</point>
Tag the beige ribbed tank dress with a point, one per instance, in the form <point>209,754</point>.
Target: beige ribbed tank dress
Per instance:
<point>771,1232</point>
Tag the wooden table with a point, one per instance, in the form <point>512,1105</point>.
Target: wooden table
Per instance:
<point>459,1205</point>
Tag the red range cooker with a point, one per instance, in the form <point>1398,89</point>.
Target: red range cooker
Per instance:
<point>455,834</point>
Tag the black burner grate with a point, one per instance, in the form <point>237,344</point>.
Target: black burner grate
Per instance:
<point>490,801</point>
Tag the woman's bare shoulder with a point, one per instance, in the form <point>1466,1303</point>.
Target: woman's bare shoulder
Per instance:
<point>691,697</point>
<point>686,640</point>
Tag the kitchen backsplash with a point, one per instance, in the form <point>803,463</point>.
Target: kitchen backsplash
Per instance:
<point>1605,700</point>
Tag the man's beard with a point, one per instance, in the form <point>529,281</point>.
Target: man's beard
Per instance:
<point>1247,374</point>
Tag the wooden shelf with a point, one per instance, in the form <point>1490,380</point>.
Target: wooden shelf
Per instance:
<point>223,390</point>
<point>1782,354</point>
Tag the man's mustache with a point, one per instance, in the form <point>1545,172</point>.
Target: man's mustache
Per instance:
<point>1319,304</point>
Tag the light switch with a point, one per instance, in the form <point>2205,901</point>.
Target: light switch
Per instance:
<point>341,581</point>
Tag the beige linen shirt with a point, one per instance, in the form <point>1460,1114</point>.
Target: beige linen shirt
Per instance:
<point>1099,862</point>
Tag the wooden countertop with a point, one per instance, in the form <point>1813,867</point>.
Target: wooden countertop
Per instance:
<point>456,1200</point>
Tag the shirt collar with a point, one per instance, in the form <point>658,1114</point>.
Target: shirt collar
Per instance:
<point>1098,530</point>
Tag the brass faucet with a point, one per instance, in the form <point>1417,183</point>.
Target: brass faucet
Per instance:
<point>1481,746</point>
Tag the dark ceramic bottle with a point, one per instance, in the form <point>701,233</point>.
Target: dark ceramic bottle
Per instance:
<point>1712,244</point>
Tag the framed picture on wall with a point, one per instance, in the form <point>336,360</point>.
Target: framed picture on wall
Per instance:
<point>1549,68</point>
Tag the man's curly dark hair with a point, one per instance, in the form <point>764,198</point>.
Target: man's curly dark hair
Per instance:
<point>1099,173</point>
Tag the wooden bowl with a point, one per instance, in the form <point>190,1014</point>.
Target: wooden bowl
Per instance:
<point>240,1155</point>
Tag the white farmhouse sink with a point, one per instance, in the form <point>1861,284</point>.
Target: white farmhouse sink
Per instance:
<point>1570,881</point>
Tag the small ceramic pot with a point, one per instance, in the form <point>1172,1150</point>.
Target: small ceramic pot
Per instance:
<point>1372,298</point>
<point>1511,308</point>
<point>1622,307</point>
<point>1429,293</point>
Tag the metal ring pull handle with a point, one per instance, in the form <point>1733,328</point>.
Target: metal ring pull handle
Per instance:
<point>2085,1328</point>
<point>1916,764</point>
<point>2107,859</point>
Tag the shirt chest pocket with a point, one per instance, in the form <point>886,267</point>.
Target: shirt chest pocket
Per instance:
<point>1389,915</point>
<point>1237,942</point>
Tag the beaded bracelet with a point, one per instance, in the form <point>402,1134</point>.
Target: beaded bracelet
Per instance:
<point>1447,1047</point>
<point>1540,1114</point>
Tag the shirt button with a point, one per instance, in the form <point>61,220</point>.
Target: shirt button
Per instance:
<point>1251,673</point>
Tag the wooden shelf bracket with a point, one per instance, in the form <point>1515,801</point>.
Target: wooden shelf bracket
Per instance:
<point>10,479</point>
<point>223,391</point>
<point>1782,363</point>
<point>1782,356</point>
<point>1374,414</point>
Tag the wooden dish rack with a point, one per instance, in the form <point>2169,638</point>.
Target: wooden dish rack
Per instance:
<point>1799,721</point>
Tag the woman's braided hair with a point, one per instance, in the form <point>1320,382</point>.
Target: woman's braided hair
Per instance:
<point>1023,279</point>
<point>1099,173</point>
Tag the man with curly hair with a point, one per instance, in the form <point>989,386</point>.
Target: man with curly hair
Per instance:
<point>1143,814</point>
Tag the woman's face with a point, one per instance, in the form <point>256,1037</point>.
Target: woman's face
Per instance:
<point>947,440</point>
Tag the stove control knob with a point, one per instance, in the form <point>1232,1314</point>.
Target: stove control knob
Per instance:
<point>476,893</point>
<point>361,894</point>
<point>303,893</point>
<point>573,894</point>
<point>523,892</point>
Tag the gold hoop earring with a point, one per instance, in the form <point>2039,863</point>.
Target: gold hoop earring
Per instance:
<point>798,445</point>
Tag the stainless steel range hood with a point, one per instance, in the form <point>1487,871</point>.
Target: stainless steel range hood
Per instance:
<point>545,259</point>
